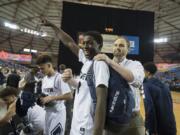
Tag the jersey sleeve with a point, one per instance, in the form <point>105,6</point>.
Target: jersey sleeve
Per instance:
<point>101,72</point>
<point>138,72</point>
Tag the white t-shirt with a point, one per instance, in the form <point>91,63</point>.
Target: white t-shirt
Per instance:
<point>54,86</point>
<point>36,116</point>
<point>138,72</point>
<point>82,121</point>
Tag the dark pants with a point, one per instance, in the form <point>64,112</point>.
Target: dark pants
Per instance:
<point>136,127</point>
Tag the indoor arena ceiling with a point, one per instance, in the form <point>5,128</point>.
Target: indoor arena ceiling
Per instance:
<point>31,35</point>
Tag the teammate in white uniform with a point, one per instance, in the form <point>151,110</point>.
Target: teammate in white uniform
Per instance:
<point>57,91</point>
<point>84,122</point>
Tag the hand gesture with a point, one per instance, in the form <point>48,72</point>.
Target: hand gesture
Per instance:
<point>102,57</point>
<point>45,100</point>
<point>67,75</point>
<point>45,22</point>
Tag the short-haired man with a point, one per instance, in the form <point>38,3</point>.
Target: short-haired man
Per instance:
<point>57,91</point>
<point>87,118</point>
<point>133,73</point>
<point>159,118</point>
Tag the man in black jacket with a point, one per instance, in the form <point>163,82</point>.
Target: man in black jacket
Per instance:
<point>159,118</point>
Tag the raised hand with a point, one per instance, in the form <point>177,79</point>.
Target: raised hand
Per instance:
<point>45,22</point>
<point>67,75</point>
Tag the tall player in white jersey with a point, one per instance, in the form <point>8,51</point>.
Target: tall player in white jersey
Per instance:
<point>88,120</point>
<point>85,121</point>
<point>56,91</point>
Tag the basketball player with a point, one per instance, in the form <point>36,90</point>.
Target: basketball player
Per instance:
<point>56,92</point>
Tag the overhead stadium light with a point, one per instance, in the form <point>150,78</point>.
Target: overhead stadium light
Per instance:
<point>34,51</point>
<point>26,30</point>
<point>33,32</point>
<point>160,40</point>
<point>43,34</point>
<point>11,25</point>
<point>29,50</point>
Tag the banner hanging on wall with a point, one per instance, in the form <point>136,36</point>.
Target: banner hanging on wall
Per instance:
<point>15,57</point>
<point>110,39</point>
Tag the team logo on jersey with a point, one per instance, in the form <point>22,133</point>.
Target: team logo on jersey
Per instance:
<point>82,131</point>
<point>57,130</point>
<point>83,76</point>
<point>49,90</point>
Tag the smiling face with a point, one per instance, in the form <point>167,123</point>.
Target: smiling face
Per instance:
<point>120,48</point>
<point>90,47</point>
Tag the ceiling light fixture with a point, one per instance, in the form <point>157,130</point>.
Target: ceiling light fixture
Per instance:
<point>30,50</point>
<point>160,40</point>
<point>26,30</point>
<point>11,25</point>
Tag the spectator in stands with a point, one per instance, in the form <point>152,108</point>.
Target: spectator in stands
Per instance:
<point>159,118</point>
<point>6,72</point>
<point>2,77</point>
<point>29,77</point>
<point>13,79</point>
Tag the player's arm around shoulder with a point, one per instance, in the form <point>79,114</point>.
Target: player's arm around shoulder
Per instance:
<point>101,72</point>
<point>138,73</point>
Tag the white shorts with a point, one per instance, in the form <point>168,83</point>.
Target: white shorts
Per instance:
<point>55,122</point>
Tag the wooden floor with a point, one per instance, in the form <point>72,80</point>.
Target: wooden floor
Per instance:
<point>176,103</point>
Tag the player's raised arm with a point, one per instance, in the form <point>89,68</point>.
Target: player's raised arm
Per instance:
<point>63,36</point>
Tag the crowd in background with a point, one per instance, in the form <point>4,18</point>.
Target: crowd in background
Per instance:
<point>171,78</point>
<point>8,67</point>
